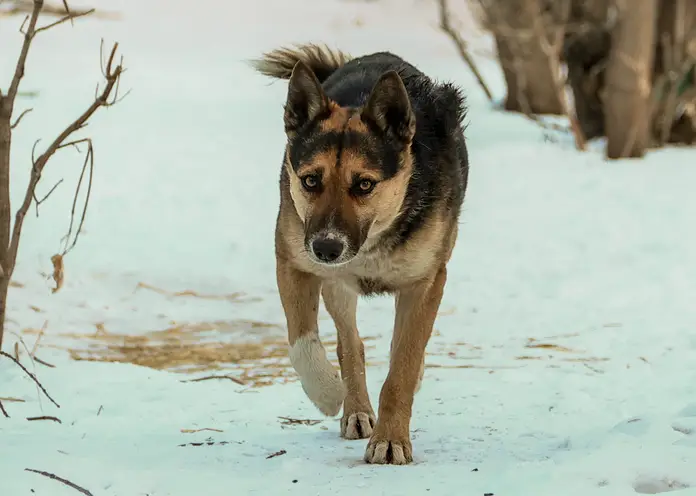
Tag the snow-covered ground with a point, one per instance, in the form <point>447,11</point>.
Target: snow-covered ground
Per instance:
<point>564,358</point>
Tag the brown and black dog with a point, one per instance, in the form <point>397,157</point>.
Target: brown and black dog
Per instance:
<point>371,187</point>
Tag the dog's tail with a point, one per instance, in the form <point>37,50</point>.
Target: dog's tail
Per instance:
<point>280,62</point>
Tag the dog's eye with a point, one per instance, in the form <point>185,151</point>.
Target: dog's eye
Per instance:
<point>365,186</point>
<point>310,182</point>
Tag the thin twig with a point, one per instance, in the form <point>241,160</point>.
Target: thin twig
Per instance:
<point>44,363</point>
<point>2,409</point>
<point>461,46</point>
<point>68,17</point>
<point>38,338</point>
<point>193,431</point>
<point>88,164</point>
<point>17,121</point>
<point>38,202</point>
<point>209,377</point>
<point>60,479</point>
<point>45,417</point>
<point>32,376</point>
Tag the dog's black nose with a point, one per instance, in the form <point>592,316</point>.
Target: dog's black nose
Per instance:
<point>327,249</point>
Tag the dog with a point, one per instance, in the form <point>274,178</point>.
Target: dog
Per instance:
<point>372,184</point>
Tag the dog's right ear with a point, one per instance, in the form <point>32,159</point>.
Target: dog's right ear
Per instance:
<point>306,99</point>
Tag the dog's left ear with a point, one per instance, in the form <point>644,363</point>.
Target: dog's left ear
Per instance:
<point>306,99</point>
<point>389,107</point>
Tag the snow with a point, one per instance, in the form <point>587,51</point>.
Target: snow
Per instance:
<point>562,361</point>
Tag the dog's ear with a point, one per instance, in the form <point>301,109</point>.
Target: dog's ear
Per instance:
<point>389,108</point>
<point>306,99</point>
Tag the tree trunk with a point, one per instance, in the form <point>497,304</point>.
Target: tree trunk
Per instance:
<point>628,79</point>
<point>531,84</point>
<point>675,74</point>
<point>5,273</point>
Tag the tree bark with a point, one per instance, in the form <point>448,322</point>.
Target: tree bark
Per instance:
<point>627,102</point>
<point>531,86</point>
<point>5,214</point>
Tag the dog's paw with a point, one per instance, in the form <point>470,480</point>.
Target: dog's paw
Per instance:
<point>320,381</point>
<point>386,451</point>
<point>326,395</point>
<point>357,425</point>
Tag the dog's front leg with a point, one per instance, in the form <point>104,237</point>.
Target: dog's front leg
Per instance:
<point>416,309</point>
<point>358,417</point>
<point>299,294</point>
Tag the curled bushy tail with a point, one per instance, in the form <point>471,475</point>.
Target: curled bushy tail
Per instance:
<point>280,62</point>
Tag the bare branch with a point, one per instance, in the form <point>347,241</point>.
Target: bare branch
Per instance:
<point>38,202</point>
<point>70,17</point>
<point>8,101</point>
<point>88,164</point>
<point>2,409</point>
<point>67,11</point>
<point>74,143</point>
<point>16,122</point>
<point>60,479</point>
<point>32,376</point>
<point>112,75</point>
<point>461,46</point>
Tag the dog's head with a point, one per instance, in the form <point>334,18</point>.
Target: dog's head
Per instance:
<point>349,168</point>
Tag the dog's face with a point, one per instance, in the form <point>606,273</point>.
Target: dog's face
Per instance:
<point>349,168</point>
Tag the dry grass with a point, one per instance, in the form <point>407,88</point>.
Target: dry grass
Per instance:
<point>238,297</point>
<point>250,352</point>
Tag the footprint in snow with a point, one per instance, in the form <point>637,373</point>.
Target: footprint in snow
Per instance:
<point>645,485</point>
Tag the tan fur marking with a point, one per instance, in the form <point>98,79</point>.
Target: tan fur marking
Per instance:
<point>337,120</point>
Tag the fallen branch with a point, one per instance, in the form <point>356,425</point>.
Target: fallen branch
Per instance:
<point>294,421</point>
<point>12,400</point>
<point>45,417</point>
<point>277,453</point>
<point>32,376</point>
<point>209,377</point>
<point>209,442</point>
<point>60,479</point>
<point>45,364</point>
<point>193,431</point>
<point>461,46</point>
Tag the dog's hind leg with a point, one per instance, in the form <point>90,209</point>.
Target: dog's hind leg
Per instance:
<point>415,315</point>
<point>299,294</point>
<point>358,417</point>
